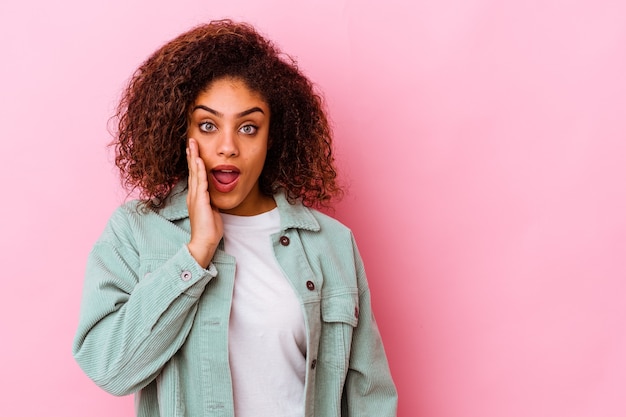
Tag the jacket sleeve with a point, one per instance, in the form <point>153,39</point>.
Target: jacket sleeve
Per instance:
<point>369,388</point>
<point>130,326</point>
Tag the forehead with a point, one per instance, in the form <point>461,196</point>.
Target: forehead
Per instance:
<point>229,90</point>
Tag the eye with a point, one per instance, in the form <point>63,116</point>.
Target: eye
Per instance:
<point>248,129</point>
<point>207,127</point>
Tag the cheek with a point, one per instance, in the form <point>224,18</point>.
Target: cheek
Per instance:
<point>260,156</point>
<point>203,146</point>
<point>204,153</point>
<point>262,149</point>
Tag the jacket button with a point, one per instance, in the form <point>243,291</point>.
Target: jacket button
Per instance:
<point>313,363</point>
<point>284,240</point>
<point>185,275</point>
<point>310,286</point>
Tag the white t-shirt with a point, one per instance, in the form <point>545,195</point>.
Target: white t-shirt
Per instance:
<point>267,336</point>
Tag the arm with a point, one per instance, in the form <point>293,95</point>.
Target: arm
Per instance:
<point>369,388</point>
<point>130,327</point>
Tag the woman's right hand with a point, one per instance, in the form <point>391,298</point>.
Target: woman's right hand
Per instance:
<point>206,224</point>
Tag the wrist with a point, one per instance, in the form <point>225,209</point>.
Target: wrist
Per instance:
<point>202,254</point>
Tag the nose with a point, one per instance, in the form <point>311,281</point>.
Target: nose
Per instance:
<point>227,145</point>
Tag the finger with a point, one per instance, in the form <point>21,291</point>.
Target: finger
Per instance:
<point>199,171</point>
<point>198,168</point>
<point>191,156</point>
<point>188,158</point>
<point>201,176</point>
<point>191,167</point>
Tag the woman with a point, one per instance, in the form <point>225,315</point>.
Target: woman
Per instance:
<point>221,291</point>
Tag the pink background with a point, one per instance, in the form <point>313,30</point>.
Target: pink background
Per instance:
<point>484,144</point>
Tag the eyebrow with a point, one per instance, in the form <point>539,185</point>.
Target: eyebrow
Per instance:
<point>219,114</point>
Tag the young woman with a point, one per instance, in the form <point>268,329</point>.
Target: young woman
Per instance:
<point>221,291</point>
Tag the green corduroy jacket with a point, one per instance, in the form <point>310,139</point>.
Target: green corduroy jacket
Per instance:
<point>155,323</point>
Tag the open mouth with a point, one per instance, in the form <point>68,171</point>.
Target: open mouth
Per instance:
<point>225,178</point>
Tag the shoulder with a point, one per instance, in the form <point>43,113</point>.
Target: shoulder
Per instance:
<point>137,212</point>
<point>329,235</point>
<point>330,225</point>
<point>130,212</point>
<point>309,221</point>
<point>119,225</point>
<point>129,220</point>
<point>133,226</point>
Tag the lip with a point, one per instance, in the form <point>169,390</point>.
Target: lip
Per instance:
<point>220,187</point>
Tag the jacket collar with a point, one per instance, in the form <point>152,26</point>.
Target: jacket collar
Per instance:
<point>292,216</point>
<point>295,216</point>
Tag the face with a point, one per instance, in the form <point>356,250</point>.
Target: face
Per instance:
<point>231,124</point>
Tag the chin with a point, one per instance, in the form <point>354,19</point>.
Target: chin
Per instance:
<point>224,204</point>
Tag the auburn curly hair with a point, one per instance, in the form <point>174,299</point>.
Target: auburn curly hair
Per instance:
<point>152,115</point>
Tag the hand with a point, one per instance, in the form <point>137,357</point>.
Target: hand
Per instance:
<point>206,224</point>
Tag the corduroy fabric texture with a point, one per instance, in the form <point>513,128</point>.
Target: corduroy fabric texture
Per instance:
<point>154,323</point>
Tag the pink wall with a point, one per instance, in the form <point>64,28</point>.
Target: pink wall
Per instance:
<point>485,147</point>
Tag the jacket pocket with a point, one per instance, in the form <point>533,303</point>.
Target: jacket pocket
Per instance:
<point>339,318</point>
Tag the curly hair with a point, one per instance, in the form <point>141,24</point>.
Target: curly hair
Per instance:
<point>152,115</point>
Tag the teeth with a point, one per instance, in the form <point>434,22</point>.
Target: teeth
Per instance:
<point>226,170</point>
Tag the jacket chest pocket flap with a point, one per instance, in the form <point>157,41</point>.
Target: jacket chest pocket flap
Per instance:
<point>339,318</point>
<point>342,308</point>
